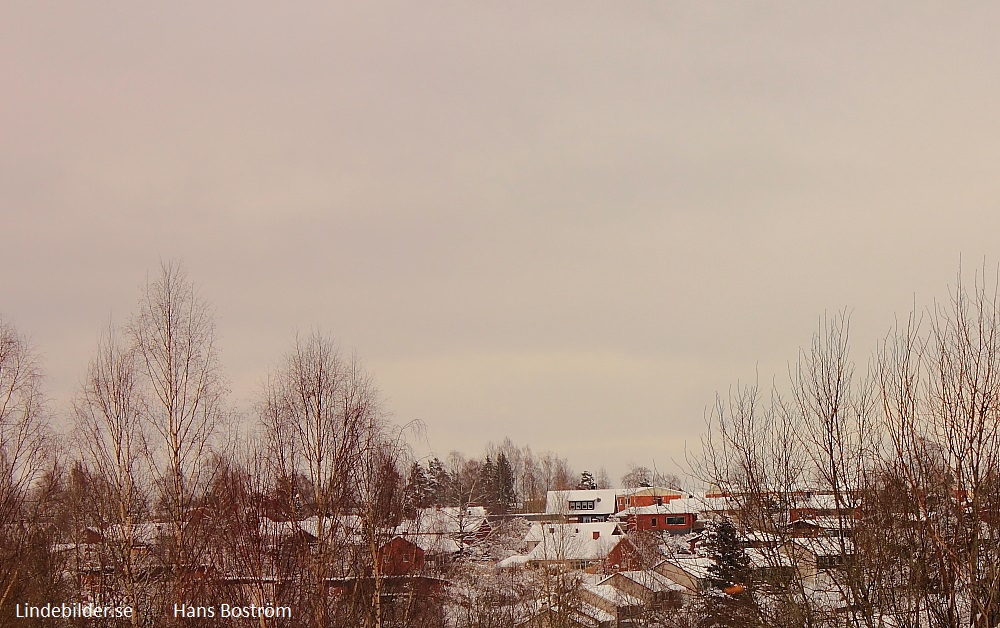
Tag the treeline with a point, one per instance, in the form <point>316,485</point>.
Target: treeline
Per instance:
<point>507,479</point>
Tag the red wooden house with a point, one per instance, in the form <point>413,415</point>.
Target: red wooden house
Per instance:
<point>400,557</point>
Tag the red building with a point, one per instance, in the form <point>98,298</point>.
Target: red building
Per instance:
<point>400,557</point>
<point>678,516</point>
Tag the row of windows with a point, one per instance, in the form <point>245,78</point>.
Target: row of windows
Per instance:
<point>829,562</point>
<point>668,521</point>
<point>582,505</point>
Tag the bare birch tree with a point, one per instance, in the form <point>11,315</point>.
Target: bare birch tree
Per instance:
<point>175,340</point>
<point>23,460</point>
<point>319,413</point>
<point>108,415</point>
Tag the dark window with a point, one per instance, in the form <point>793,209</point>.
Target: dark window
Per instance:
<point>675,521</point>
<point>652,522</point>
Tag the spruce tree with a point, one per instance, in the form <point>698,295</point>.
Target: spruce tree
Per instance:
<point>417,493</point>
<point>489,496</point>
<point>506,496</point>
<point>732,566</point>
<point>440,484</point>
<point>729,603</point>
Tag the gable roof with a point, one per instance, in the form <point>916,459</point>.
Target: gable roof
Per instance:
<point>447,520</point>
<point>694,566</point>
<point>574,541</point>
<point>649,580</point>
<point>537,531</point>
<point>615,596</point>
<point>825,546</point>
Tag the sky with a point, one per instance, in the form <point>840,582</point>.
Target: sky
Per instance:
<point>568,223</point>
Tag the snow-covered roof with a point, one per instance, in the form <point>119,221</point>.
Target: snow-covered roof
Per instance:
<point>823,501</point>
<point>278,529</point>
<point>702,504</point>
<point>443,530</point>
<point>758,536</point>
<point>827,523</point>
<point>695,566</point>
<point>341,526</point>
<point>537,531</point>
<point>138,533</point>
<point>649,580</point>
<point>574,541</point>
<point>590,615</point>
<point>764,558</point>
<point>434,544</point>
<point>673,507</point>
<point>558,502</point>
<point>513,561</point>
<point>579,613</point>
<point>448,520</point>
<point>825,546</point>
<point>613,595</point>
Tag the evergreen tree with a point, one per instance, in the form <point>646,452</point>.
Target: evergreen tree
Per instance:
<point>587,482</point>
<point>417,493</point>
<point>732,566</point>
<point>489,495</point>
<point>439,484</point>
<point>506,496</point>
<point>730,602</point>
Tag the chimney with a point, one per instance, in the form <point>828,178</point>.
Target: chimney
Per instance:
<point>597,534</point>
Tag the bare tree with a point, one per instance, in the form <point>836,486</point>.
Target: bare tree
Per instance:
<point>321,416</point>
<point>174,336</point>
<point>751,455</point>
<point>108,415</point>
<point>940,389</point>
<point>379,510</point>
<point>908,460</point>
<point>603,479</point>
<point>23,460</point>
<point>776,455</point>
<point>639,476</point>
<point>832,410</point>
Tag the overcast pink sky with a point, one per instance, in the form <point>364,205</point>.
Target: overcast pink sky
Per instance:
<point>570,223</point>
